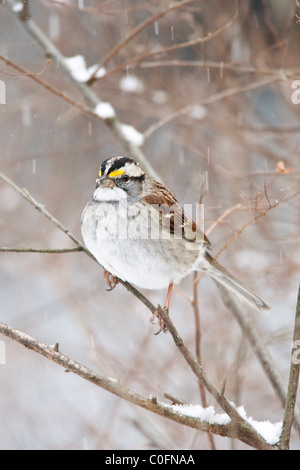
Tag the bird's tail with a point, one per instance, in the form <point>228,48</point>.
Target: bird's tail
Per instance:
<point>219,274</point>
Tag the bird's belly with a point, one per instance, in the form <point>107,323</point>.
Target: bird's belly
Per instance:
<point>133,256</point>
<point>137,261</point>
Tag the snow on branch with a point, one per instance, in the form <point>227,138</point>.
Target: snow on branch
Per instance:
<point>269,431</point>
<point>79,70</point>
<point>202,419</point>
<point>76,70</point>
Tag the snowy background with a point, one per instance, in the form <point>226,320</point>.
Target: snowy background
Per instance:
<point>228,151</point>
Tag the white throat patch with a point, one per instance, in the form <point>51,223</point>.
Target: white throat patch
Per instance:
<point>105,194</point>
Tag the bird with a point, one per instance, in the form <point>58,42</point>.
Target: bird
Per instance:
<point>139,233</point>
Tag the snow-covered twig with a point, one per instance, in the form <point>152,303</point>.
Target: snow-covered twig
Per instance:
<point>118,128</point>
<point>205,419</point>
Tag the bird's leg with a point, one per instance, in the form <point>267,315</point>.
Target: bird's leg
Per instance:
<point>156,314</point>
<point>111,280</point>
<point>166,307</point>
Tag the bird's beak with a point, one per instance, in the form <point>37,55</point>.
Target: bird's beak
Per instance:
<point>105,182</point>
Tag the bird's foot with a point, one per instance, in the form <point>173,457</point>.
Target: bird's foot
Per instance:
<point>157,315</point>
<point>111,280</point>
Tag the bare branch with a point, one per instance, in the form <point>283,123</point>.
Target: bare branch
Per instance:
<point>261,213</point>
<point>135,61</point>
<point>26,195</point>
<point>115,125</point>
<point>293,384</point>
<point>292,73</point>
<point>10,249</point>
<point>195,305</point>
<point>195,41</point>
<point>22,73</point>
<point>241,430</point>
<point>50,88</point>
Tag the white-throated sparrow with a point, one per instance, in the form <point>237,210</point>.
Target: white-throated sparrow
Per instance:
<point>138,232</point>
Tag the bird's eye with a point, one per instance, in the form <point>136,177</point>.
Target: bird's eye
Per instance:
<point>125,178</point>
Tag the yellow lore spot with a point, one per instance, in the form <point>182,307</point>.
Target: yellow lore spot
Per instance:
<point>115,173</point>
<point>100,173</point>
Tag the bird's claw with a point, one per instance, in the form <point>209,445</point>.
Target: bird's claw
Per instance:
<point>160,321</point>
<point>111,280</point>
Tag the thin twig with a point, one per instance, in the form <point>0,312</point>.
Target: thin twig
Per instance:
<point>234,67</point>
<point>34,76</point>
<point>25,73</point>
<point>115,50</point>
<point>209,100</point>
<point>26,195</point>
<point>197,40</point>
<point>195,304</point>
<point>172,399</point>
<point>11,249</point>
<point>262,213</point>
<point>113,123</point>
<point>238,206</point>
<point>293,384</point>
<point>135,61</point>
